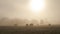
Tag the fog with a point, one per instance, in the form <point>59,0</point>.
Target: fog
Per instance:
<point>20,9</point>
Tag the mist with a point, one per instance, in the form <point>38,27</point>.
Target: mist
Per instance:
<point>20,9</point>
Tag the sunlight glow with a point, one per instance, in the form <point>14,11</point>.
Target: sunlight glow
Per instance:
<point>37,5</point>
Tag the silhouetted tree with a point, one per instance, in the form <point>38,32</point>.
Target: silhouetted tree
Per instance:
<point>15,24</point>
<point>27,25</point>
<point>31,24</point>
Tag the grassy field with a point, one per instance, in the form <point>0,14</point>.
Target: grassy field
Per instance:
<point>30,30</point>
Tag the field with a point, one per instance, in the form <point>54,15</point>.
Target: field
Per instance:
<point>29,30</point>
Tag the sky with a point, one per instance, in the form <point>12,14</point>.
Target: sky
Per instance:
<point>21,9</point>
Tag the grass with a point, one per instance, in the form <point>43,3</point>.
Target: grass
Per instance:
<point>29,30</point>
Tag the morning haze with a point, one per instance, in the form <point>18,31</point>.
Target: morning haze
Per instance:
<point>20,11</point>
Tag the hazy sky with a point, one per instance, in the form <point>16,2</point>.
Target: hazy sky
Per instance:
<point>21,9</point>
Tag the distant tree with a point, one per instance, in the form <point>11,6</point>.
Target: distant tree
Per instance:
<point>49,24</point>
<point>26,20</point>
<point>4,20</point>
<point>34,21</point>
<point>31,24</point>
<point>15,24</point>
<point>26,24</point>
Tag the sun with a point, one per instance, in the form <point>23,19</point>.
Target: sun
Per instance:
<point>37,5</point>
